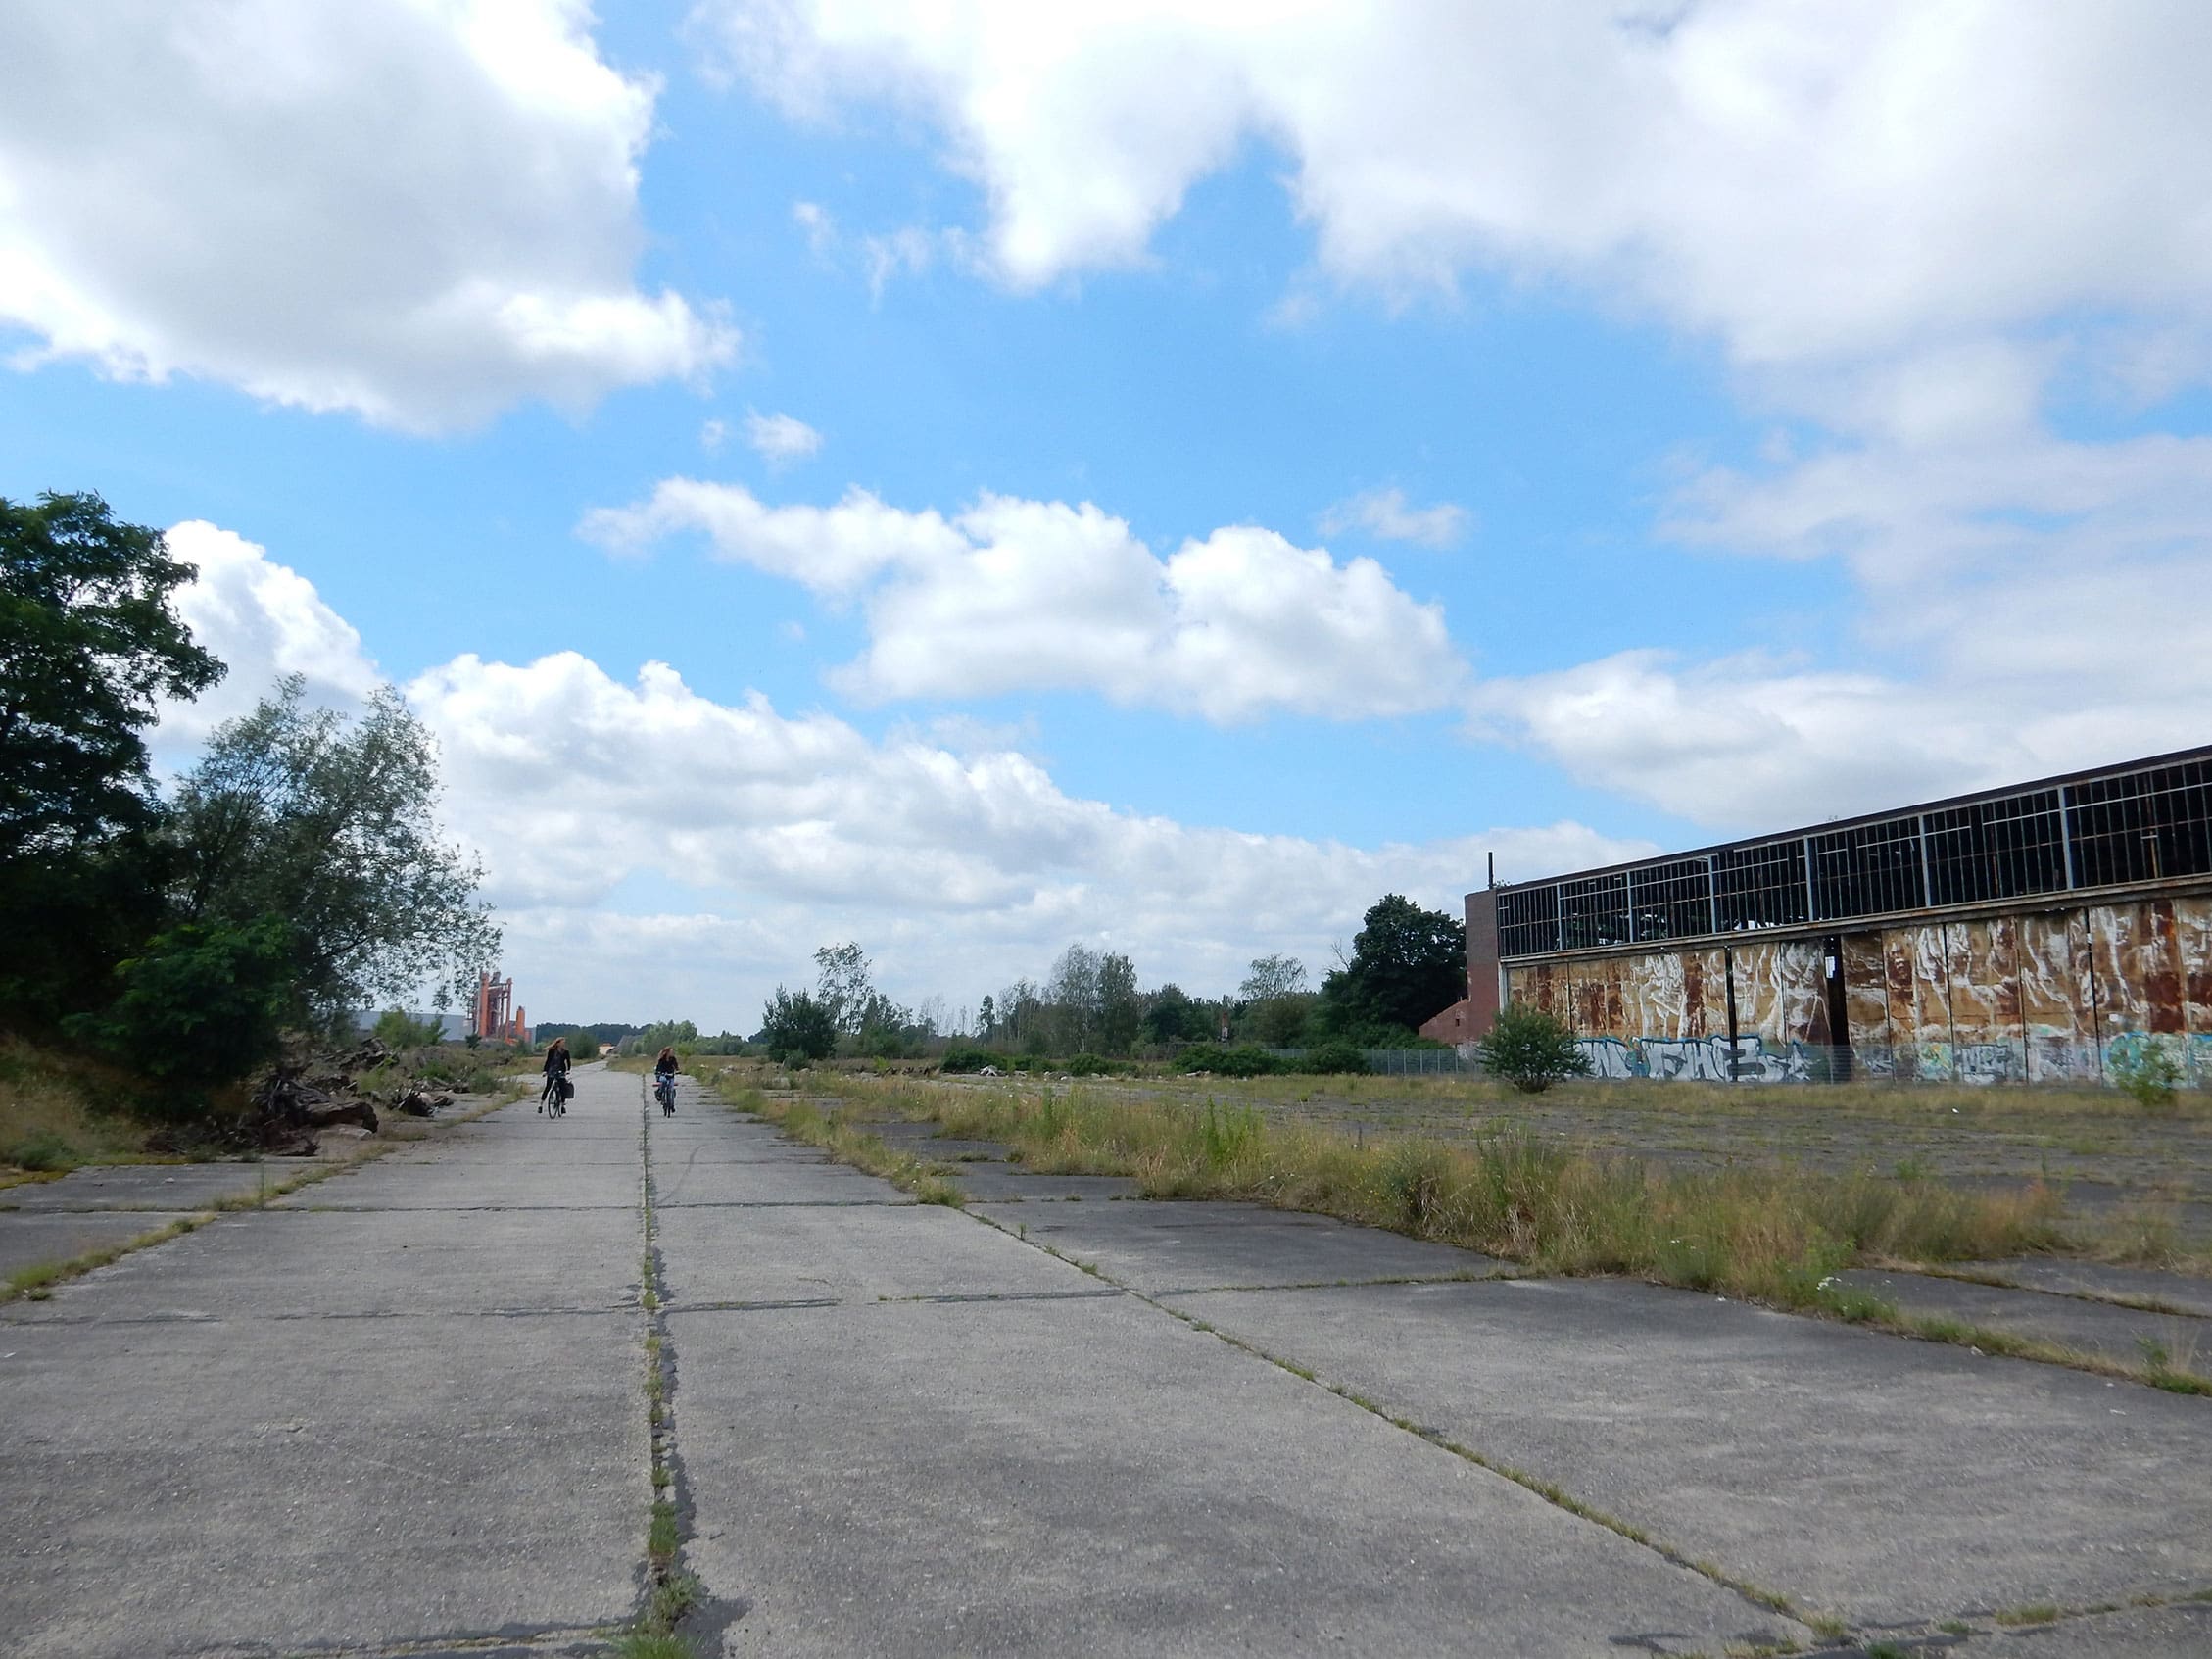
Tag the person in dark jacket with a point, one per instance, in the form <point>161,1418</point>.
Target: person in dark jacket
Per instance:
<point>556,1068</point>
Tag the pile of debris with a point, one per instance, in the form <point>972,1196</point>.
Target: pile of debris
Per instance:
<point>306,1095</point>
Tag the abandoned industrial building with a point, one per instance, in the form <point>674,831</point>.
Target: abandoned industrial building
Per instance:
<point>2054,930</point>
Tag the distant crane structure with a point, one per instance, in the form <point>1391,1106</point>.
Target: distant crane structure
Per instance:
<point>494,1017</point>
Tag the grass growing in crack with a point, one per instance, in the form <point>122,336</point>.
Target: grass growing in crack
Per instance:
<point>2042,1613</point>
<point>661,1538</point>
<point>37,1282</point>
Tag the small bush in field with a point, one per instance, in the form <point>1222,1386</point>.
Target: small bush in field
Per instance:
<point>969,1060</point>
<point>1530,1049</point>
<point>2147,1073</point>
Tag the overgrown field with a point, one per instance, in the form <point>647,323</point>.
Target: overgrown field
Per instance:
<point>1774,1233</point>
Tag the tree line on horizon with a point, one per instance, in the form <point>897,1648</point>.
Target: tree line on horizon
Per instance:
<point>1406,965</point>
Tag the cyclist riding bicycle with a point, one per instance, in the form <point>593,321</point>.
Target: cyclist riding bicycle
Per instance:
<point>665,1069</point>
<point>556,1072</point>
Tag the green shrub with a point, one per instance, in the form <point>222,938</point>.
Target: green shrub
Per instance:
<point>41,1152</point>
<point>1530,1049</point>
<point>1335,1057</point>
<point>1242,1062</point>
<point>202,1004</point>
<point>1087,1065</point>
<point>2146,1071</point>
<point>395,1029</point>
<point>969,1058</point>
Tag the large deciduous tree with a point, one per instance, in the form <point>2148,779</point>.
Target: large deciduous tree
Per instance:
<point>1408,965</point>
<point>89,642</point>
<point>329,824</point>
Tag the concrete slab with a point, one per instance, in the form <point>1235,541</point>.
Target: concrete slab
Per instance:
<point>1882,1479</point>
<point>189,1489</point>
<point>31,1239</point>
<point>1163,1249</point>
<point>427,1182</point>
<point>295,1264</point>
<point>1000,1183</point>
<point>679,1185</point>
<point>2095,1327</point>
<point>1092,1477</point>
<point>151,1186</point>
<point>2185,1291</point>
<point>822,1254</point>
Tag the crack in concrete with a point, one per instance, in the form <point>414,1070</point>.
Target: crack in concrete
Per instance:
<point>706,1618</point>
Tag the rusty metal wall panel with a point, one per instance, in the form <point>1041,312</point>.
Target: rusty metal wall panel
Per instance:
<point>1867,994</point>
<point>1652,996</point>
<point>1925,1008</point>
<point>1984,963</point>
<point>1705,1004</point>
<point>2192,946</point>
<point>2118,936</point>
<point>2056,995</point>
<point>1780,997</point>
<point>1615,1004</point>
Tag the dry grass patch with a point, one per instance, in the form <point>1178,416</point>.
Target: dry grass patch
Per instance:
<point>50,1117</point>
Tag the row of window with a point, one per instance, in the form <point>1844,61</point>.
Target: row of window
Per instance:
<point>2123,827</point>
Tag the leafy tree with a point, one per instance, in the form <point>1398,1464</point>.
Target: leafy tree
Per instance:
<point>1120,1009</point>
<point>842,985</point>
<point>1173,1015</point>
<point>986,1019</point>
<point>329,823</point>
<point>202,1003</point>
<point>1073,994</point>
<point>1275,1002</point>
<point>1530,1049</point>
<point>397,1029</point>
<point>798,1024</point>
<point>88,642</point>
<point>1273,977</point>
<point>1408,965</point>
<point>661,1034</point>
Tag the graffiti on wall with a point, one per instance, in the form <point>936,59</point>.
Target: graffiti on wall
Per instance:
<point>2033,997</point>
<point>1701,1059</point>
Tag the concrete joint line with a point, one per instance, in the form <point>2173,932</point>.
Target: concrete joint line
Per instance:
<point>1770,1600</point>
<point>668,1595</point>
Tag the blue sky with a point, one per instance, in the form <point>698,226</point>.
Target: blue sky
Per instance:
<point>1531,431</point>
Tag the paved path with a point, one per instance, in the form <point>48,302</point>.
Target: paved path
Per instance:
<point>400,1413</point>
<point>393,1411</point>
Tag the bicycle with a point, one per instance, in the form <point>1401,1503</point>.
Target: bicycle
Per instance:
<point>557,1098</point>
<point>665,1090</point>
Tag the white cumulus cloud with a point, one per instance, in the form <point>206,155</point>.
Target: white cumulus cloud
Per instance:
<point>265,621</point>
<point>1025,594</point>
<point>781,439</point>
<point>1807,183</point>
<point>1386,514</point>
<point>419,212</point>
